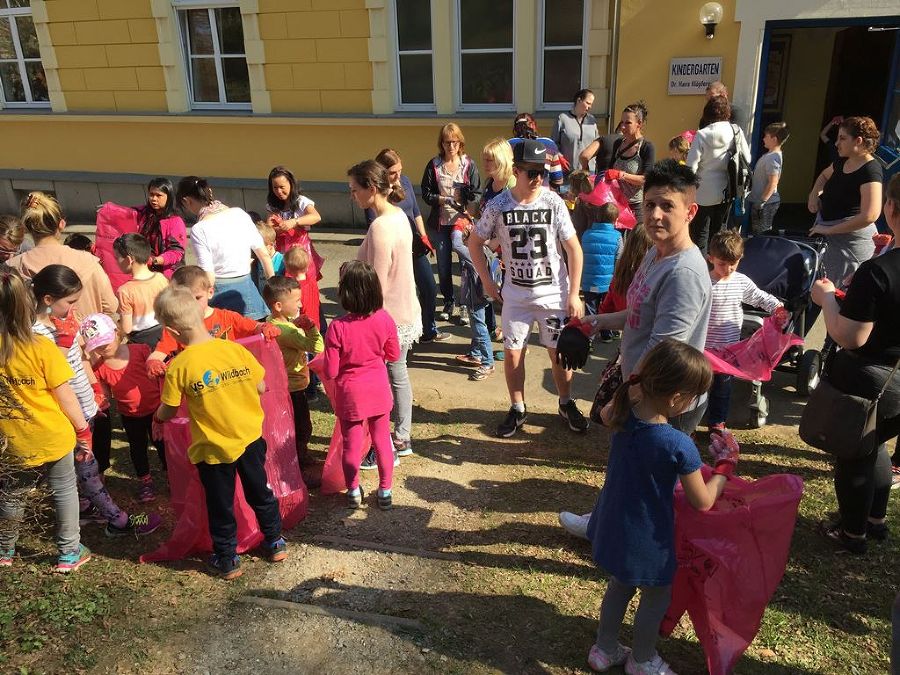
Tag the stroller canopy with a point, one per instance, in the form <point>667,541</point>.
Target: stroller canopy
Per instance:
<point>782,267</point>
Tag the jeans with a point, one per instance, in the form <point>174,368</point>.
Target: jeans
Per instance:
<point>138,431</point>
<point>762,218</point>
<point>401,387</point>
<point>719,400</point>
<point>650,612</point>
<point>302,424</point>
<point>592,301</point>
<point>380,432</point>
<point>481,347</point>
<point>16,484</point>
<point>708,221</point>
<point>218,483</point>
<point>427,290</point>
<point>440,238</point>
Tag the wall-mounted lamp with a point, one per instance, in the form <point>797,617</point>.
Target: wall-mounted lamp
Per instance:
<point>710,17</point>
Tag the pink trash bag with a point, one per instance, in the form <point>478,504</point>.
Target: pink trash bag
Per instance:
<point>730,561</point>
<point>756,357</point>
<point>112,222</point>
<point>191,532</point>
<point>606,192</point>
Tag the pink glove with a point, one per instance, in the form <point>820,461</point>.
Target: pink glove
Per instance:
<point>613,174</point>
<point>725,451</point>
<point>156,368</point>
<point>584,327</point>
<point>100,396</point>
<point>304,322</point>
<point>84,443</point>
<point>269,331</point>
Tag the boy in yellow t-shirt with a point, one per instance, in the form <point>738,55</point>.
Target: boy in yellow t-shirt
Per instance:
<point>221,382</point>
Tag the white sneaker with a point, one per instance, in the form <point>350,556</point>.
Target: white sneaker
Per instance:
<point>655,666</point>
<point>575,524</point>
<point>463,316</point>
<point>600,661</point>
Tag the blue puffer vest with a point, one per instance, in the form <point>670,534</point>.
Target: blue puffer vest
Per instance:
<point>600,244</point>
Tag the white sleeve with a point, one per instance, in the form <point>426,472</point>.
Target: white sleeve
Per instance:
<point>303,204</point>
<point>254,238</point>
<point>565,228</point>
<point>485,226</point>
<point>201,249</point>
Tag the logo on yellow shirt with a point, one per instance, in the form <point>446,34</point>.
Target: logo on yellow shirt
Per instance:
<point>211,379</point>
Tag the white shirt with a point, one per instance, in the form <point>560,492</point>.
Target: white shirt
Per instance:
<point>708,158</point>
<point>224,243</point>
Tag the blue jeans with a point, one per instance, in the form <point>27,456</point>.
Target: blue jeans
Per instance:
<point>427,289</point>
<point>592,301</point>
<point>719,400</point>
<point>440,238</point>
<point>481,339</point>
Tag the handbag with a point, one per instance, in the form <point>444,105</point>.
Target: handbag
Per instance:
<point>610,381</point>
<point>843,425</point>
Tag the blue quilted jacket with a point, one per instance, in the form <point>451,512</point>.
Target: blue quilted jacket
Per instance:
<point>601,244</point>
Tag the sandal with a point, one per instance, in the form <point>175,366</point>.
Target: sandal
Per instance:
<point>836,535</point>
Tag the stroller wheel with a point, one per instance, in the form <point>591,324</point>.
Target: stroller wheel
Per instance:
<point>758,413</point>
<point>757,420</point>
<point>808,372</point>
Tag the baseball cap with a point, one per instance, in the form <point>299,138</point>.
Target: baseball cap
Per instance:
<point>97,330</point>
<point>530,151</point>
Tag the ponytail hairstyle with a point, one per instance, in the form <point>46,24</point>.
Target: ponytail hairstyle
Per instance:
<point>669,368</point>
<point>17,313</point>
<point>42,215</point>
<point>292,202</point>
<point>195,188</point>
<point>56,281</point>
<point>639,110</point>
<point>388,157</point>
<point>369,174</point>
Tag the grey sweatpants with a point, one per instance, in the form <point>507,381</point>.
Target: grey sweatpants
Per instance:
<point>651,610</point>
<point>846,252</point>
<point>401,387</point>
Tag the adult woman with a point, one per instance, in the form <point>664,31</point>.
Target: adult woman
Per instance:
<point>12,235</point>
<point>867,326</point>
<point>448,184</point>
<point>576,129</point>
<point>421,245</point>
<point>387,248</point>
<point>224,239</point>
<point>846,198</point>
<point>163,227</point>
<point>497,158</point>
<point>43,218</point>
<point>632,156</point>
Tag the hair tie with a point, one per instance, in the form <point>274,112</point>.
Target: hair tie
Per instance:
<point>31,200</point>
<point>634,378</point>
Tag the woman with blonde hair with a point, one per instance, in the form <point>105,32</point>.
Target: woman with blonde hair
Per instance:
<point>497,158</point>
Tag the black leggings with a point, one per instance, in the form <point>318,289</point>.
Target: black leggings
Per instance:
<point>138,432</point>
<point>101,438</point>
<point>708,221</point>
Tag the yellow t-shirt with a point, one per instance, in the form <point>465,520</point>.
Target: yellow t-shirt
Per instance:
<point>294,344</point>
<point>218,378</point>
<point>40,433</point>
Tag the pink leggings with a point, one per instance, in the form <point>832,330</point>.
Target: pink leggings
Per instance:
<point>380,431</point>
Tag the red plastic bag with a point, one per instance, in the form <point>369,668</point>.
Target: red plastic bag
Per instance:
<point>112,222</point>
<point>756,357</point>
<point>606,192</point>
<point>191,532</point>
<point>730,561</point>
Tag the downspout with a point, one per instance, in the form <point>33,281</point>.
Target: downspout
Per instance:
<point>614,67</point>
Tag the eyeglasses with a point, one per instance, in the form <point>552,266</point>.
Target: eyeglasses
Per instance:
<point>446,142</point>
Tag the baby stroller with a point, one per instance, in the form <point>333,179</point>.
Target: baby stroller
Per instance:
<point>787,267</point>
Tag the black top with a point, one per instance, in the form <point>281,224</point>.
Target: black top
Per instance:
<point>874,297</point>
<point>841,196</point>
<point>603,158</point>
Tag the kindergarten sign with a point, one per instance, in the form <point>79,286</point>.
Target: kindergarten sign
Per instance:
<point>691,75</point>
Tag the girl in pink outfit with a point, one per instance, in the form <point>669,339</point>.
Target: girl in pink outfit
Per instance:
<point>357,346</point>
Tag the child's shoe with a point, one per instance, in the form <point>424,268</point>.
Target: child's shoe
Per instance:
<point>147,491</point>
<point>403,448</point>
<point>369,463</point>
<point>138,525</point>
<point>355,498</point>
<point>482,373</point>
<point>655,666</point>
<point>223,567</point>
<point>469,360</point>
<point>396,458</point>
<point>717,428</point>
<point>606,336</point>
<point>601,661</point>
<point>277,550</point>
<point>69,562</point>
<point>6,557</point>
<point>384,500</point>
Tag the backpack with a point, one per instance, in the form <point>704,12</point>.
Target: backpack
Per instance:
<point>740,175</point>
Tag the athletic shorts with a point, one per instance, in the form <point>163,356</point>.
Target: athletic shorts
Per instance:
<point>517,322</point>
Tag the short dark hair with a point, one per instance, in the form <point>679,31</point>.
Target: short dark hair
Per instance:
<point>278,288</point>
<point>778,130</point>
<point>670,174</point>
<point>80,242</point>
<point>57,281</point>
<point>133,245</point>
<point>359,289</point>
<point>602,213</point>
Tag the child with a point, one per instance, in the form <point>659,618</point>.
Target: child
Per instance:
<point>299,335</point>
<point>221,382</point>
<point>296,264</point>
<point>632,526</point>
<point>471,296</point>
<point>136,296</point>
<point>123,369</point>
<point>636,246</point>
<point>356,348</point>
<point>764,198</point>
<point>679,147</point>
<point>79,242</point>
<point>56,289</point>
<point>267,232</point>
<point>729,290</point>
<point>220,323</point>
<point>602,246</point>
<point>40,425</point>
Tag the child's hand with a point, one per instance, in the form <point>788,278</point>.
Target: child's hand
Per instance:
<point>269,331</point>
<point>156,429</point>
<point>100,396</point>
<point>156,368</point>
<point>304,322</point>
<point>725,451</point>
<point>84,443</point>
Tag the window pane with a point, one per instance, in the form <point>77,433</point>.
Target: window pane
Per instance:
<point>204,80</point>
<point>37,80</point>
<point>237,80</point>
<point>415,79</point>
<point>562,75</point>
<point>487,78</point>
<point>27,37</point>
<point>413,24</point>
<point>7,49</point>
<point>13,90</point>
<point>486,25</point>
<point>231,31</point>
<point>562,22</point>
<point>20,3</point>
<point>199,32</point>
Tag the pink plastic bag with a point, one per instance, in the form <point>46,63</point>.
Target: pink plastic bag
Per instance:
<point>755,357</point>
<point>606,192</point>
<point>191,532</point>
<point>112,222</point>
<point>730,561</point>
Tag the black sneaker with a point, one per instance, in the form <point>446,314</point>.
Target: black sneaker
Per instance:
<point>572,415</point>
<point>369,463</point>
<point>355,501</point>
<point>384,501</point>
<point>224,567</point>
<point>514,419</point>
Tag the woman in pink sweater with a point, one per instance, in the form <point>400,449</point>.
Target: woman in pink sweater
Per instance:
<point>357,346</point>
<point>388,248</point>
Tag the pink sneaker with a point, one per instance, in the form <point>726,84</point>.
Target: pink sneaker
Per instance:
<point>600,661</point>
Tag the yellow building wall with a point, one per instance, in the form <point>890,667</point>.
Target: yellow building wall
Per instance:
<point>107,55</point>
<point>317,55</point>
<point>652,33</point>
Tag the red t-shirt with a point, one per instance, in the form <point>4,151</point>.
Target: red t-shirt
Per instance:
<point>222,323</point>
<point>136,394</point>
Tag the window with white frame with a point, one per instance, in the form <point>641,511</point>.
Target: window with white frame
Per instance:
<point>22,79</point>
<point>561,54</point>
<point>213,38</point>
<point>485,63</point>
<point>414,54</point>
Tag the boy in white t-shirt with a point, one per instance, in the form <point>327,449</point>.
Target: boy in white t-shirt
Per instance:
<point>531,223</point>
<point>764,198</point>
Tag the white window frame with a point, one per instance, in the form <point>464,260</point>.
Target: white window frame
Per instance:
<point>398,89</point>
<point>458,52</point>
<point>181,9</point>
<point>540,103</point>
<point>11,13</point>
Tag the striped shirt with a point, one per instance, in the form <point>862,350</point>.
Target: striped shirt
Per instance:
<point>726,314</point>
<point>79,383</point>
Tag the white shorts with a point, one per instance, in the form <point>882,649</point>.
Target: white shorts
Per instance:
<point>517,322</point>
